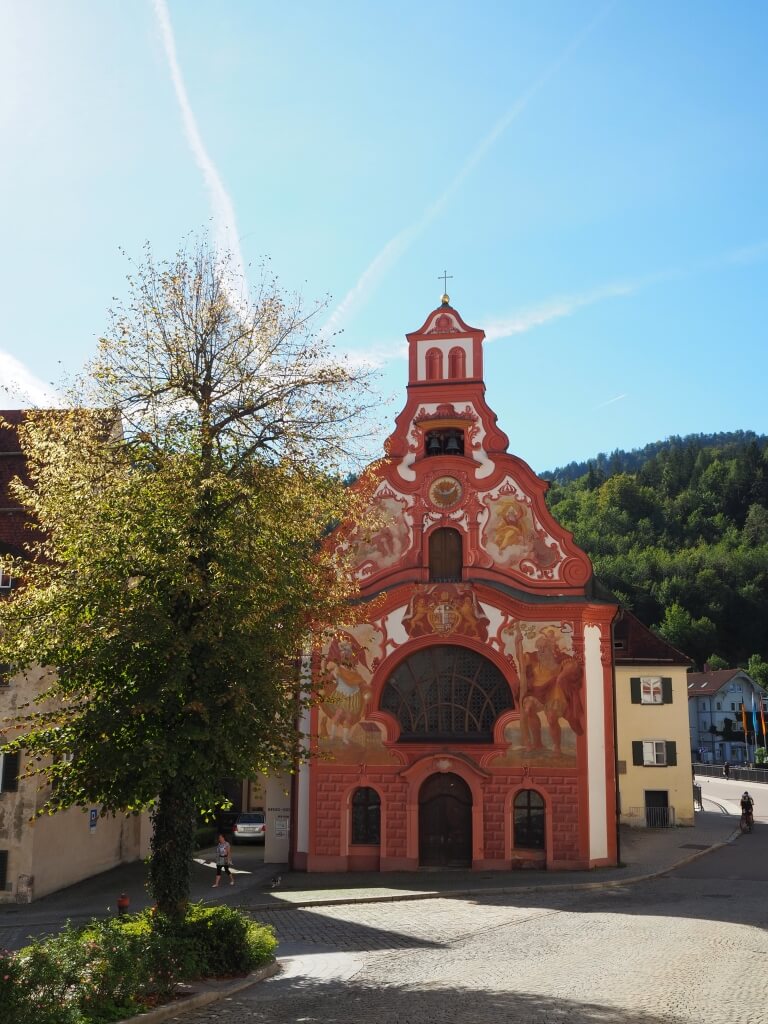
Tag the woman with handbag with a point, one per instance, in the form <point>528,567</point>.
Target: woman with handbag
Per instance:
<point>223,861</point>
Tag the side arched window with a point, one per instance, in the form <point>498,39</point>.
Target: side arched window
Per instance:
<point>457,363</point>
<point>434,364</point>
<point>366,817</point>
<point>529,818</point>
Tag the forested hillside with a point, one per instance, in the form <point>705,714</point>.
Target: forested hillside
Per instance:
<point>682,540</point>
<point>619,461</point>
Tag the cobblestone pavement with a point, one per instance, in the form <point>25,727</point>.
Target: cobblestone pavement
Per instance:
<point>676,951</point>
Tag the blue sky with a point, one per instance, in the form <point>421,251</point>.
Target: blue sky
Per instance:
<point>593,176</point>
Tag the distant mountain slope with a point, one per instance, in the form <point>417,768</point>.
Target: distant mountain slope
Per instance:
<point>679,531</point>
<point>620,461</point>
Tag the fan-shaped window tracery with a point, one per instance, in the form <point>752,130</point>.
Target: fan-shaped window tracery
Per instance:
<point>446,693</point>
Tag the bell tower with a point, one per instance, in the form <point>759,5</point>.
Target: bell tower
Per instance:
<point>445,350</point>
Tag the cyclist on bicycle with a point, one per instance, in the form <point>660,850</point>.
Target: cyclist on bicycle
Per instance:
<point>747,809</point>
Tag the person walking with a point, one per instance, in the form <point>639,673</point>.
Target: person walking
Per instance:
<point>223,861</point>
<point>726,770</point>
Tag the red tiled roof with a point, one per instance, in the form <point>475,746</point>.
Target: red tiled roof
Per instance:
<point>635,644</point>
<point>710,682</point>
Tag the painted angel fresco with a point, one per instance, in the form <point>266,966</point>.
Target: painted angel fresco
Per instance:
<point>512,538</point>
<point>381,546</point>
<point>551,682</point>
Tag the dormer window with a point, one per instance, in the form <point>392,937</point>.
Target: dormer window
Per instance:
<point>444,442</point>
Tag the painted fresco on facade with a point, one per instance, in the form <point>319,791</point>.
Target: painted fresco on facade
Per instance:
<point>344,732</point>
<point>383,544</point>
<point>550,688</point>
<point>513,537</point>
<point>445,609</point>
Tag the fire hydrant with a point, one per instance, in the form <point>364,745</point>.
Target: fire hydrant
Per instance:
<point>123,902</point>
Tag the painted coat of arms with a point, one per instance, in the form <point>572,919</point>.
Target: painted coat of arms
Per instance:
<point>445,609</point>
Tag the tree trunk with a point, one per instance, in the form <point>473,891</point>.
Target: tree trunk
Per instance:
<point>173,841</point>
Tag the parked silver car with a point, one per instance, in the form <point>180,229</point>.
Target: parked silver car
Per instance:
<point>249,827</point>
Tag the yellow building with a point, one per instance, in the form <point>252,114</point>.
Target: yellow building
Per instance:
<point>39,856</point>
<point>652,738</point>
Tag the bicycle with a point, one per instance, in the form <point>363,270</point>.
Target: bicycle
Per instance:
<point>747,821</point>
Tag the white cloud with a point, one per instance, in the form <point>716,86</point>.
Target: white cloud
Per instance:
<point>375,357</point>
<point>226,237</point>
<point>21,387</point>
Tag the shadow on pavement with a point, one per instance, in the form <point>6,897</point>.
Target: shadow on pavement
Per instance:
<point>349,1002</point>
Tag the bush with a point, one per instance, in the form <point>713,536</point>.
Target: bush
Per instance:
<point>108,970</point>
<point>222,941</point>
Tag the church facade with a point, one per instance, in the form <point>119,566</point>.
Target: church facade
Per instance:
<point>469,720</point>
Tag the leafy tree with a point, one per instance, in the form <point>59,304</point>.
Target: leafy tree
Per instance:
<point>177,569</point>
<point>757,670</point>
<point>686,633</point>
<point>715,662</point>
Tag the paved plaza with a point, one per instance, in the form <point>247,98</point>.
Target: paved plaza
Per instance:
<point>678,951</point>
<point>688,946</point>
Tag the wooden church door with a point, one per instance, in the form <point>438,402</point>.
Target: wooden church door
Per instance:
<point>445,822</point>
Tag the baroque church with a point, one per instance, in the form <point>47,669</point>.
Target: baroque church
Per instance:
<point>469,722</point>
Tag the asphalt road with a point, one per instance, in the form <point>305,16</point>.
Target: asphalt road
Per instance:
<point>687,948</point>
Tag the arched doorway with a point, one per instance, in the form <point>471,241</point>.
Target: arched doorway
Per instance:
<point>445,822</point>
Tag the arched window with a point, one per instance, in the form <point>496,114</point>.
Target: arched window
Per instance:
<point>457,363</point>
<point>529,817</point>
<point>445,555</point>
<point>366,817</point>
<point>434,364</point>
<point>446,693</point>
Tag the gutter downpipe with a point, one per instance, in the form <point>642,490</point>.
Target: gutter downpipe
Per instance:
<point>617,618</point>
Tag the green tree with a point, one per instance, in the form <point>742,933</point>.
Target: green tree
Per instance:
<point>178,569</point>
<point>689,635</point>
<point>757,670</point>
<point>715,662</point>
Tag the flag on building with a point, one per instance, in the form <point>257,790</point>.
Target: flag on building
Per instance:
<point>754,716</point>
<point>744,719</point>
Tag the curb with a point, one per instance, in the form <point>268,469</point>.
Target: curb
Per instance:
<point>198,999</point>
<point>611,883</point>
<point>205,998</point>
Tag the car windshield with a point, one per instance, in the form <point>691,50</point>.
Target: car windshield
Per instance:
<point>251,819</point>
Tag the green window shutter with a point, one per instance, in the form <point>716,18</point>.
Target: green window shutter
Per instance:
<point>634,690</point>
<point>10,781</point>
<point>671,752</point>
<point>666,691</point>
<point>637,751</point>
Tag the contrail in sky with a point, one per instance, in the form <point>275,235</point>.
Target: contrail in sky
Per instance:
<point>226,237</point>
<point>610,401</point>
<point>16,381</point>
<point>524,320</point>
<point>397,245</point>
<point>553,309</point>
